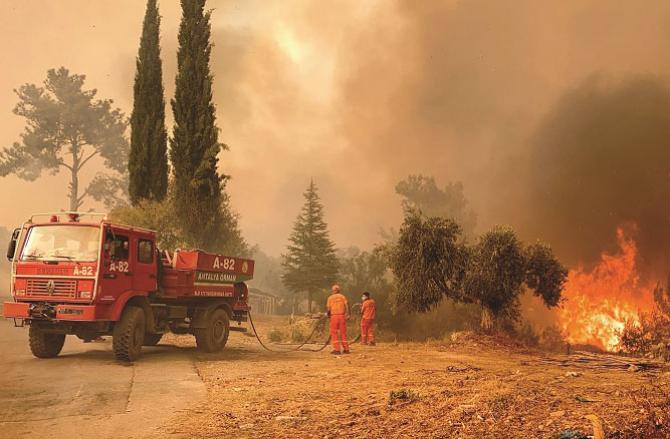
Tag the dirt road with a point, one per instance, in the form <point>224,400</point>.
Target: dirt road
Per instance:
<point>85,393</point>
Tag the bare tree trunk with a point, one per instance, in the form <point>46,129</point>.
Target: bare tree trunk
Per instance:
<point>74,192</point>
<point>309,302</point>
<point>487,320</point>
<point>74,181</point>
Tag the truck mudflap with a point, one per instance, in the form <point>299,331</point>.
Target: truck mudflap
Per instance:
<point>24,310</point>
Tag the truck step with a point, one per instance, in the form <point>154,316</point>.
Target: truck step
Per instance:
<point>238,329</point>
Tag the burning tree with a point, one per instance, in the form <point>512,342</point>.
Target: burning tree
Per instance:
<point>430,262</point>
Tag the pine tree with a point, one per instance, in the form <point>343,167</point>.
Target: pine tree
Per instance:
<point>66,128</point>
<point>198,187</point>
<point>310,264</point>
<point>147,164</point>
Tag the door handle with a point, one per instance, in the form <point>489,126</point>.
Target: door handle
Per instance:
<point>109,276</point>
<point>128,273</point>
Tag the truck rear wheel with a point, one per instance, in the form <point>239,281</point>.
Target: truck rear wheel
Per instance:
<point>213,338</point>
<point>128,335</point>
<point>152,339</point>
<point>45,344</point>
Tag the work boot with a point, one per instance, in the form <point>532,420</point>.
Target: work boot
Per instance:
<point>335,352</point>
<point>372,343</point>
<point>347,352</point>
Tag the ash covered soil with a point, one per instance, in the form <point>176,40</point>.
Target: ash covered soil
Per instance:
<point>470,387</point>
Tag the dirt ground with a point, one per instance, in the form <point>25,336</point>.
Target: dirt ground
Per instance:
<point>466,389</point>
<point>85,393</point>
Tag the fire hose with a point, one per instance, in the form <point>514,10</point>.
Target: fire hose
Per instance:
<point>295,349</point>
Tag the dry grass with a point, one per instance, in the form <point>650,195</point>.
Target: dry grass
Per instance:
<point>467,388</point>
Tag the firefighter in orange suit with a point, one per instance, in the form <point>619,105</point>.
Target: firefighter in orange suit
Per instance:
<point>338,311</point>
<point>368,314</point>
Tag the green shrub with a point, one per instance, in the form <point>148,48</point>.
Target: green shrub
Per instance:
<point>297,334</point>
<point>275,335</point>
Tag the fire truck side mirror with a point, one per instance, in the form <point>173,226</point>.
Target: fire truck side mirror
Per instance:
<point>11,248</point>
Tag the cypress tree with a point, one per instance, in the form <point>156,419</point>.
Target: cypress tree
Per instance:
<point>195,146</point>
<point>147,163</point>
<point>310,264</point>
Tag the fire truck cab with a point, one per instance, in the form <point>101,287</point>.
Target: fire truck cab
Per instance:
<point>80,274</point>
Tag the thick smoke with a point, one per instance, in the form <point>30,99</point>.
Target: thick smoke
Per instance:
<point>357,95</point>
<point>483,92</point>
<point>601,159</point>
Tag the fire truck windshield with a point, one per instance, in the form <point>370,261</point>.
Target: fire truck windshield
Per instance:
<point>62,243</point>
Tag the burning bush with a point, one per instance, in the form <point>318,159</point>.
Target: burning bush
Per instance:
<point>598,303</point>
<point>650,333</point>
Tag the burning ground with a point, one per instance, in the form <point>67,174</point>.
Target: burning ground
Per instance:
<point>465,387</point>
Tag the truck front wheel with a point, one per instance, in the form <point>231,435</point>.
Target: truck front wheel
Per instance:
<point>214,337</point>
<point>128,335</point>
<point>45,344</point>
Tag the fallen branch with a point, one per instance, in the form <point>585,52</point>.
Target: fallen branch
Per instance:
<point>603,361</point>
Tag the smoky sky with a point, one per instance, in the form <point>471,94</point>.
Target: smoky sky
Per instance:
<point>601,160</point>
<point>358,95</point>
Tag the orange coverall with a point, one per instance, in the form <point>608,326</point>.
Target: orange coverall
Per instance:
<point>337,306</point>
<point>368,314</point>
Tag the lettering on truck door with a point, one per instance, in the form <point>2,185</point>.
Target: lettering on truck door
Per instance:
<point>116,258</point>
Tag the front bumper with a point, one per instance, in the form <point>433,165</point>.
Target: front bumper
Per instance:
<point>24,310</point>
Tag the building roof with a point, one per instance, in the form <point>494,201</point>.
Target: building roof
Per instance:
<point>258,292</point>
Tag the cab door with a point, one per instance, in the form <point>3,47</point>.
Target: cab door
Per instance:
<point>116,276</point>
<point>144,262</point>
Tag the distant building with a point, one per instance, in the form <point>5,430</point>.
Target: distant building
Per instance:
<point>262,302</point>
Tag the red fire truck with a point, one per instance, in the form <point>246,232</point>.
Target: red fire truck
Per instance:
<point>80,274</point>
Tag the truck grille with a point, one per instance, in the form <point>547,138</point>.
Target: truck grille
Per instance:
<point>59,288</point>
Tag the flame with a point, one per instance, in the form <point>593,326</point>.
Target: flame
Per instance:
<point>598,303</point>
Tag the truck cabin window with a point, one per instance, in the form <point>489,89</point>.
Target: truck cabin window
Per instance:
<point>117,247</point>
<point>62,243</point>
<point>145,251</point>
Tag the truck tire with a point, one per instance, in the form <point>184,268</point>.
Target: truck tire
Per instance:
<point>214,337</point>
<point>44,344</point>
<point>152,339</point>
<point>128,335</point>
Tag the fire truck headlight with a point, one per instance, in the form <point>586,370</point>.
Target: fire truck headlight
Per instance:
<point>85,294</point>
<point>20,292</point>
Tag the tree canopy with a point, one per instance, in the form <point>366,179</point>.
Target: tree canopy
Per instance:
<point>421,193</point>
<point>496,272</point>
<point>66,128</point>
<point>148,164</point>
<point>198,186</point>
<point>430,262</point>
<point>310,263</point>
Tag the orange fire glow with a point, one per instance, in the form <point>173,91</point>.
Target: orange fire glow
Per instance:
<point>598,303</point>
